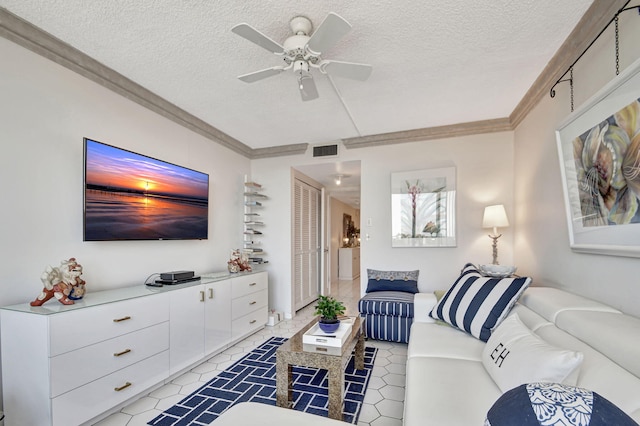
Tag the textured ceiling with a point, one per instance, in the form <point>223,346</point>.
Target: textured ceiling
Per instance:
<point>434,63</point>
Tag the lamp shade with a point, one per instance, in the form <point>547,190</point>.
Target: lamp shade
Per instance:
<point>495,217</point>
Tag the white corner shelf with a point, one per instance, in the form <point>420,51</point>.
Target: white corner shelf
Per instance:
<point>251,239</point>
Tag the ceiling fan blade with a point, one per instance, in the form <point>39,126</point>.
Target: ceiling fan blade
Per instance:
<point>332,29</point>
<point>259,75</point>
<point>255,36</point>
<point>308,90</point>
<point>347,69</point>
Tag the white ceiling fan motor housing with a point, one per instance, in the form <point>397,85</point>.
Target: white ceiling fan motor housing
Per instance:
<point>301,25</point>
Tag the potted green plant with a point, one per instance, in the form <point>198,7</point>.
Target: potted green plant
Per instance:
<point>329,308</point>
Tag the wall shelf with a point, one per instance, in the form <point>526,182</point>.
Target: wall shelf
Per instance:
<point>251,246</point>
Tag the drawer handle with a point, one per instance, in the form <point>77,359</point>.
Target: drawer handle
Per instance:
<point>210,293</point>
<point>321,349</point>
<point>252,284</point>
<point>122,319</point>
<point>202,296</point>
<point>126,351</point>
<point>126,385</point>
<point>253,303</point>
<point>252,321</point>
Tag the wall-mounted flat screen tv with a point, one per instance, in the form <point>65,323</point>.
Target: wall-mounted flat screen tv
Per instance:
<point>129,196</point>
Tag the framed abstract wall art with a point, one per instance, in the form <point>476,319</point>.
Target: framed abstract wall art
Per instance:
<point>599,150</point>
<point>423,208</point>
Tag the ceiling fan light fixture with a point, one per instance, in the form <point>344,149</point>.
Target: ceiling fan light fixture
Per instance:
<point>301,68</point>
<point>338,179</point>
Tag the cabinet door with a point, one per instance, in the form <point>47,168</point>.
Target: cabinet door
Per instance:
<point>186,331</point>
<point>345,263</point>
<point>355,264</point>
<point>217,315</point>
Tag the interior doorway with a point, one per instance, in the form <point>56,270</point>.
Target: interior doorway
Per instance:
<point>339,198</point>
<point>307,243</point>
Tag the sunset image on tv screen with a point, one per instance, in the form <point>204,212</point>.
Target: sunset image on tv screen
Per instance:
<point>129,196</point>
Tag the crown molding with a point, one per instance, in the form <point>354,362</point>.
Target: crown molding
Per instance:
<point>279,151</point>
<point>429,133</point>
<point>29,36</point>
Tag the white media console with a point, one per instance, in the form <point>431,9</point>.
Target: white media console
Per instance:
<point>68,365</point>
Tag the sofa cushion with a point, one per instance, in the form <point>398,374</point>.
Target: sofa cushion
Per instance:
<point>254,413</point>
<point>445,391</point>
<point>406,281</point>
<point>478,304</point>
<point>514,355</point>
<point>444,341</point>
<point>615,335</point>
<point>599,373</point>
<point>529,318</point>
<point>537,404</point>
<point>549,302</point>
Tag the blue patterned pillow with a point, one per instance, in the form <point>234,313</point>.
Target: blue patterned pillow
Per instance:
<point>478,304</point>
<point>405,281</point>
<point>550,404</point>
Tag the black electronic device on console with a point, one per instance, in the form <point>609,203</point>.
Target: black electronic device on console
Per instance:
<point>171,282</point>
<point>176,275</point>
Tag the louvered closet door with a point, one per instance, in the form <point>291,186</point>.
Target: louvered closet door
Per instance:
<point>306,244</point>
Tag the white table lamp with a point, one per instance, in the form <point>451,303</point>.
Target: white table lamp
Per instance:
<point>495,217</point>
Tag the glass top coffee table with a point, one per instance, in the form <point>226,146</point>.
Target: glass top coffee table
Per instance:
<point>294,352</point>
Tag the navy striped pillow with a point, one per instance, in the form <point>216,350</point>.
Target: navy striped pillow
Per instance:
<point>477,304</point>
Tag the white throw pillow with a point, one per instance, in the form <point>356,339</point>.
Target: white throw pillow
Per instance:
<point>514,355</point>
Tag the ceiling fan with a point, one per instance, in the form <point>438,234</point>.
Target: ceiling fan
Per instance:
<point>302,52</point>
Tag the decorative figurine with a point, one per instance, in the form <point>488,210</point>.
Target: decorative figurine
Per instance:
<point>63,283</point>
<point>238,262</point>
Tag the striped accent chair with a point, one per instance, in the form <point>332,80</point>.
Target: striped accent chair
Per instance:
<point>388,304</point>
<point>389,315</point>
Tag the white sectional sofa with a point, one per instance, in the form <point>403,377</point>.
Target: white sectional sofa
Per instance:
<point>447,383</point>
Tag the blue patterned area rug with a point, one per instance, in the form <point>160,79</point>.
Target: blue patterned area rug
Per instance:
<point>253,378</point>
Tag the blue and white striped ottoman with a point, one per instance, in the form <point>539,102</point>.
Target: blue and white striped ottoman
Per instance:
<point>389,315</point>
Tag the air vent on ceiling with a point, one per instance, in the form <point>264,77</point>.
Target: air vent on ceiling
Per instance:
<point>325,151</point>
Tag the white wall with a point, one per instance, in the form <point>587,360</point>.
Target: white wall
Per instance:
<point>542,243</point>
<point>484,175</point>
<point>45,112</point>
<point>484,166</point>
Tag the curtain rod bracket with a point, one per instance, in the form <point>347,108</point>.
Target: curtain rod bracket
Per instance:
<point>552,92</point>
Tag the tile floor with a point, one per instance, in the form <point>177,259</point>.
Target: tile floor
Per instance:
<point>383,402</point>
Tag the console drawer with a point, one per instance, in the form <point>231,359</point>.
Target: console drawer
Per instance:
<point>73,369</point>
<point>241,286</point>
<point>241,306</point>
<point>86,402</point>
<point>83,327</point>
<point>249,322</point>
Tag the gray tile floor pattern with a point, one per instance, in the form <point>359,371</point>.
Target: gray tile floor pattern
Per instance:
<point>383,402</point>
